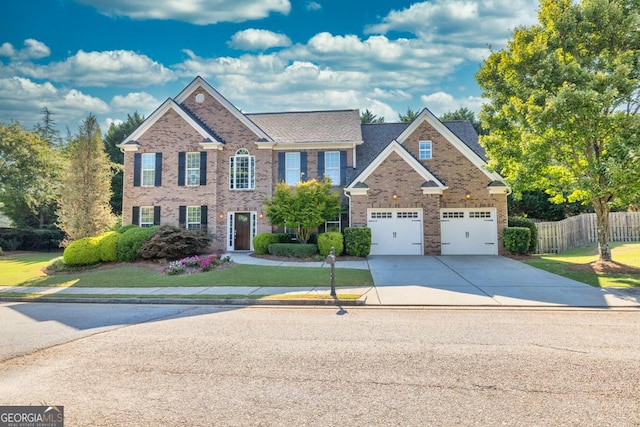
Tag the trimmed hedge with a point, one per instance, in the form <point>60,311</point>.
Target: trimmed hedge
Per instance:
<point>31,239</point>
<point>131,241</point>
<point>525,222</point>
<point>108,246</point>
<point>516,239</point>
<point>174,242</point>
<point>293,250</point>
<point>328,240</point>
<point>84,251</point>
<point>262,241</point>
<point>357,241</point>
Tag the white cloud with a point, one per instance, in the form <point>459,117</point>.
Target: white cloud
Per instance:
<point>134,101</point>
<point>313,5</point>
<point>106,124</point>
<point>6,49</point>
<point>254,39</point>
<point>200,12</point>
<point>441,102</point>
<point>381,109</point>
<point>33,49</point>
<point>108,68</point>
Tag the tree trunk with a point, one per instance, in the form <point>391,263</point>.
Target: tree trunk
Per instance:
<point>602,221</point>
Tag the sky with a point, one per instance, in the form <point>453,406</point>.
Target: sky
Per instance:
<point>116,57</point>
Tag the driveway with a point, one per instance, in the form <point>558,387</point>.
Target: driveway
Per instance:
<point>478,281</point>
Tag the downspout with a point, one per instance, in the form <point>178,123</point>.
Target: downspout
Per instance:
<point>348,194</point>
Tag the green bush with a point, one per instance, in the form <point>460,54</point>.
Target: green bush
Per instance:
<point>124,228</point>
<point>328,240</point>
<point>525,222</point>
<point>293,250</point>
<point>108,246</point>
<point>357,241</point>
<point>82,252</point>
<point>174,242</point>
<point>31,239</point>
<point>131,241</point>
<point>262,241</point>
<point>516,239</point>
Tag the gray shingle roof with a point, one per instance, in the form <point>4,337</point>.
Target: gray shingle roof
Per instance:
<point>467,133</point>
<point>310,126</point>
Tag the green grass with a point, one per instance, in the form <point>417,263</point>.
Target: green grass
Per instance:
<point>25,270</point>
<point>623,253</point>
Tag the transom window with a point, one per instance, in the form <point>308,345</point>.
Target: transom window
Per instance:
<point>425,150</point>
<point>194,217</point>
<point>193,168</point>
<point>149,170</point>
<point>242,171</point>
<point>332,166</point>
<point>146,216</point>
<point>292,171</point>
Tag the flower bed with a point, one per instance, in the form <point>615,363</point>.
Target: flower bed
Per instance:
<point>195,264</point>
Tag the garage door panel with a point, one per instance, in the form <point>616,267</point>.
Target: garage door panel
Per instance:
<point>395,231</point>
<point>469,231</point>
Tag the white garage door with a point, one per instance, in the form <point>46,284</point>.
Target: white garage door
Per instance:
<point>395,231</point>
<point>469,231</point>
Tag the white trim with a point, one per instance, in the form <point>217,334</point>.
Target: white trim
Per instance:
<point>499,190</point>
<point>167,105</point>
<point>395,147</point>
<point>200,82</point>
<point>283,146</point>
<point>356,191</point>
<point>230,226</point>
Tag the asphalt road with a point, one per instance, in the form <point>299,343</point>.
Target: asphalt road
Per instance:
<point>143,365</point>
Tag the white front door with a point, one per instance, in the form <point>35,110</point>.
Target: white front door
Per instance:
<point>395,231</point>
<point>469,231</point>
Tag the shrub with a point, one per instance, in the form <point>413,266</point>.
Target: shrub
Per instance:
<point>328,240</point>
<point>131,241</point>
<point>357,241</point>
<point>31,239</point>
<point>293,250</point>
<point>84,251</point>
<point>525,222</point>
<point>173,242</point>
<point>108,246</point>
<point>516,239</point>
<point>262,241</point>
<point>124,228</point>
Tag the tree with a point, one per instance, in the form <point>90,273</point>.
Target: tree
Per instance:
<point>369,117</point>
<point>564,98</point>
<point>83,204</point>
<point>29,174</point>
<point>116,135</point>
<point>409,116</point>
<point>47,129</point>
<point>463,113</point>
<point>303,207</point>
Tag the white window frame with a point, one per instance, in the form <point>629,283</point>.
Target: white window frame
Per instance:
<point>192,169</point>
<point>148,170</point>
<point>194,212</point>
<point>242,155</point>
<point>332,171</point>
<point>146,216</point>
<point>426,150</point>
<point>337,222</point>
<point>293,170</point>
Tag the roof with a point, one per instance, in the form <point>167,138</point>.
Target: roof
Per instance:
<point>467,133</point>
<point>310,126</point>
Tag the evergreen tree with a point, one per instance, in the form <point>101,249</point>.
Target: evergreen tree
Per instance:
<point>368,117</point>
<point>409,116</point>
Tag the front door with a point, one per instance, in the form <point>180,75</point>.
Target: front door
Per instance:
<point>242,228</point>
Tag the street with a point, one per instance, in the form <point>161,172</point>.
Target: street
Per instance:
<point>140,365</point>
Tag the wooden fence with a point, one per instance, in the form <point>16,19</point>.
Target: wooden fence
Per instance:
<point>556,237</point>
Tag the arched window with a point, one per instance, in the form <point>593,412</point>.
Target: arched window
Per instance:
<point>242,171</point>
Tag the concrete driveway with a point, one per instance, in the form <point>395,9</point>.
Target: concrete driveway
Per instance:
<point>478,281</point>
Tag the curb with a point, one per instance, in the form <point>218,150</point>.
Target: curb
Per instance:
<point>190,301</point>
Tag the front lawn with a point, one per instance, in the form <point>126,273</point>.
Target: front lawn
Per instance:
<point>25,269</point>
<point>580,264</point>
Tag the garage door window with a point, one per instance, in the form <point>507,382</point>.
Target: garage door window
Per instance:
<point>480,214</point>
<point>450,215</point>
<point>407,215</point>
<point>381,215</point>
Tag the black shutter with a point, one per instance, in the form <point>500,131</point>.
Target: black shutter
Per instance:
<point>135,215</point>
<point>156,215</point>
<point>281,167</point>
<point>204,220</point>
<point>343,168</point>
<point>203,168</point>
<point>137,165</point>
<point>158,182</point>
<point>181,167</point>
<point>303,166</point>
<point>320,165</point>
<point>182,216</point>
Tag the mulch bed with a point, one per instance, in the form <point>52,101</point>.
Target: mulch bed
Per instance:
<point>605,267</point>
<point>319,258</point>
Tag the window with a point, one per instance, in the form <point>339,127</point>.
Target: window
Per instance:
<point>194,217</point>
<point>407,215</point>
<point>193,168</point>
<point>451,215</point>
<point>332,166</point>
<point>146,216</point>
<point>332,225</point>
<point>292,169</point>
<point>381,215</point>
<point>242,171</point>
<point>480,214</point>
<point>148,169</point>
<point>425,150</point>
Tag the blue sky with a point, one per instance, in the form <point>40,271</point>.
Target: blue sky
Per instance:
<point>114,57</point>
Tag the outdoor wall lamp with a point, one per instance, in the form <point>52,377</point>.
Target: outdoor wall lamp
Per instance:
<point>221,216</point>
<point>467,196</point>
<point>395,196</point>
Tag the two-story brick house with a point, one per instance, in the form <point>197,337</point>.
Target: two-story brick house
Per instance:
<point>199,162</point>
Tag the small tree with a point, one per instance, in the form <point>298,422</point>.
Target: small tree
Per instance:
<point>303,207</point>
<point>409,116</point>
<point>368,117</point>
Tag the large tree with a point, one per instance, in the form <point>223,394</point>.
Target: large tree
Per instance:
<point>83,204</point>
<point>563,105</point>
<point>303,207</point>
<point>116,135</point>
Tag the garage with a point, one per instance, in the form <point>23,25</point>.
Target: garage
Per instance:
<point>469,231</point>
<point>395,231</point>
